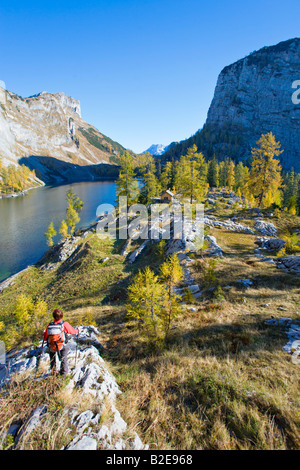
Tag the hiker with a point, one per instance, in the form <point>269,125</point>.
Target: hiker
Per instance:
<point>56,335</point>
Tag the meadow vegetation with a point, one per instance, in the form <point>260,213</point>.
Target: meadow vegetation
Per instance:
<point>205,373</point>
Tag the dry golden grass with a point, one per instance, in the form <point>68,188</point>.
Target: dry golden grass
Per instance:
<point>23,395</point>
<point>224,381</point>
<point>193,397</point>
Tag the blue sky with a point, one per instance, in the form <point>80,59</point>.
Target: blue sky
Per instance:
<point>144,71</point>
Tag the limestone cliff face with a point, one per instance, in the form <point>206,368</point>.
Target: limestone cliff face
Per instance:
<point>46,132</point>
<point>254,96</point>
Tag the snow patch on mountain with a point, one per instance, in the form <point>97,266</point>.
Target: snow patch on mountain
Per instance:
<point>157,149</point>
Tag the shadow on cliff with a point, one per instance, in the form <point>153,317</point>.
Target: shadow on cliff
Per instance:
<point>54,171</point>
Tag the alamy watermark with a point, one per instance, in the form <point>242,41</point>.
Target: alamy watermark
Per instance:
<point>156,221</point>
<point>296,94</point>
<point>2,353</point>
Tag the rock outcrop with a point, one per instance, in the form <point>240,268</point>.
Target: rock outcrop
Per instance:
<point>228,225</point>
<point>265,228</point>
<point>214,248</point>
<point>89,374</point>
<point>289,263</point>
<point>270,244</point>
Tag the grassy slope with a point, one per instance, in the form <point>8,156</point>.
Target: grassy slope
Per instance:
<point>224,381</point>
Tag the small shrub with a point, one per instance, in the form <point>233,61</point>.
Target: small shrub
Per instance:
<point>209,275</point>
<point>219,294</point>
<point>236,340</point>
<point>188,297</point>
<point>160,249</point>
<point>292,244</point>
<point>281,252</point>
<point>277,213</point>
<point>27,320</point>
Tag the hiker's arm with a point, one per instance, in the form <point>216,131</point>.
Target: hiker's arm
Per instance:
<point>69,329</point>
<point>45,334</point>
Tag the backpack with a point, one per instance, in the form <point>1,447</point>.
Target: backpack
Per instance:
<point>56,337</point>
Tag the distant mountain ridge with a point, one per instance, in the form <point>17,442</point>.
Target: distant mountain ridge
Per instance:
<point>157,149</point>
<point>252,96</point>
<point>47,133</point>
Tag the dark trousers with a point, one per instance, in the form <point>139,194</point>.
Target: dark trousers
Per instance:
<point>63,356</point>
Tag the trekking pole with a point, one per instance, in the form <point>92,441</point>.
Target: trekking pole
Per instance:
<point>39,357</point>
<point>76,349</point>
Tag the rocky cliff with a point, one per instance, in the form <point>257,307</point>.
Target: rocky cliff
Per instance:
<point>254,96</point>
<point>46,132</point>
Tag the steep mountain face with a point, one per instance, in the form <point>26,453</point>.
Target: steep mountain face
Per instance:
<point>254,96</point>
<point>46,132</point>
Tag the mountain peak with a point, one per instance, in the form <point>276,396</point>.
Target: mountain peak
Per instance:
<point>46,131</point>
<point>157,149</point>
<point>69,103</point>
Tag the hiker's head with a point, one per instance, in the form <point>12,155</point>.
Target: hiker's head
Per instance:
<point>57,314</point>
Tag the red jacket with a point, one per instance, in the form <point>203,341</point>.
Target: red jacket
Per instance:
<point>67,327</point>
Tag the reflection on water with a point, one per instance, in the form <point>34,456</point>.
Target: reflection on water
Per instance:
<point>25,219</point>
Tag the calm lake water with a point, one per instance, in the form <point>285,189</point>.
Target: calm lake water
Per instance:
<point>25,219</point>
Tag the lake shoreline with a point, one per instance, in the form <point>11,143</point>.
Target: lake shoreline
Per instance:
<point>55,185</point>
<point>9,280</point>
<point>20,193</point>
<point>22,248</point>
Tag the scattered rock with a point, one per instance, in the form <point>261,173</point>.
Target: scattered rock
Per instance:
<point>197,295</point>
<point>191,308</point>
<point>174,246</point>
<point>270,244</point>
<point>194,288</point>
<point>228,225</point>
<point>59,253</point>
<point>178,290</point>
<point>211,201</point>
<point>119,426</point>
<point>32,422</point>
<point>86,233</point>
<point>84,420</point>
<point>289,263</point>
<point>265,228</point>
<point>187,275</point>
<point>66,249</point>
<point>214,249</point>
<point>85,443</point>
<point>245,283</point>
<point>125,250</point>
<point>133,256</point>
<point>136,443</point>
<point>293,333</point>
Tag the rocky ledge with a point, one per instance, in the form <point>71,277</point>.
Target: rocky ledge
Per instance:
<point>289,263</point>
<point>105,429</point>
